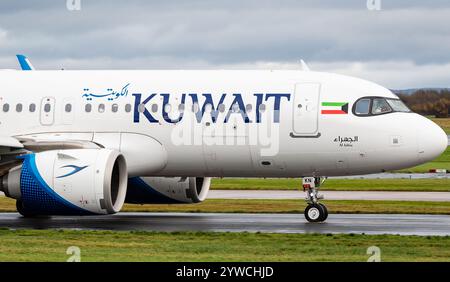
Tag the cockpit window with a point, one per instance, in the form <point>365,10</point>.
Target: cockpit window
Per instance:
<point>362,107</point>
<point>370,106</point>
<point>398,106</point>
<point>380,106</point>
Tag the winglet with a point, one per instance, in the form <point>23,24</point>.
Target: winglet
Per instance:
<point>304,66</point>
<point>24,62</point>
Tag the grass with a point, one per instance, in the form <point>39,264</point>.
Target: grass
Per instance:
<point>333,184</point>
<point>281,206</point>
<point>444,123</point>
<point>51,245</point>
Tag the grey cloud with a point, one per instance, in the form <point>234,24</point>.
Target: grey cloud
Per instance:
<point>208,34</point>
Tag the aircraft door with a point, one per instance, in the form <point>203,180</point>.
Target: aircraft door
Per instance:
<point>306,110</point>
<point>47,112</point>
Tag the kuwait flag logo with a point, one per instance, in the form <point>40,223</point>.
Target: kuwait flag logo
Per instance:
<point>334,108</point>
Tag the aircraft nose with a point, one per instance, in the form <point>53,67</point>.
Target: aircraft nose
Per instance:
<point>432,140</point>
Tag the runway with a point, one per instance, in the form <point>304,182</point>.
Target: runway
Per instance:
<point>216,222</point>
<point>331,195</point>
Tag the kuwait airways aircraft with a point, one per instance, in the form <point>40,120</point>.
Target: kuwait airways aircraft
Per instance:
<point>86,142</point>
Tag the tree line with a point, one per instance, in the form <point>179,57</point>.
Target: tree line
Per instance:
<point>428,102</point>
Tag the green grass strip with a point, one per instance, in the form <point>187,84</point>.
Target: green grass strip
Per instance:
<point>51,245</point>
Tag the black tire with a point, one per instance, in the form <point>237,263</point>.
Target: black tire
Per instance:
<point>314,213</point>
<point>22,210</point>
<point>325,215</point>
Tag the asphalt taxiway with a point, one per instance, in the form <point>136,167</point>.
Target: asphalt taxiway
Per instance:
<point>221,222</point>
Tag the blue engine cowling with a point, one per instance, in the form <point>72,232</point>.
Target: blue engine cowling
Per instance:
<point>167,190</point>
<point>68,182</point>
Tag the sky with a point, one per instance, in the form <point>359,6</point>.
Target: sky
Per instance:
<point>404,44</point>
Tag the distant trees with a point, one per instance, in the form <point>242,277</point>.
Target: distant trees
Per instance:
<point>428,102</point>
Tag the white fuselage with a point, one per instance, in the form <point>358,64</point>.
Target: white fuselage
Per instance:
<point>302,129</point>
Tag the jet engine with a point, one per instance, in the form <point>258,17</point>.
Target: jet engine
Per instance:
<point>167,190</point>
<point>68,182</point>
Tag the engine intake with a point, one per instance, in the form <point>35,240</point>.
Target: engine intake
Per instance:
<point>68,182</point>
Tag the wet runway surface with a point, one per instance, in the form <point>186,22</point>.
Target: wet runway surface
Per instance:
<point>217,222</point>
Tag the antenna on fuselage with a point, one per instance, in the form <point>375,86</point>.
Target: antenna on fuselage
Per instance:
<point>304,66</point>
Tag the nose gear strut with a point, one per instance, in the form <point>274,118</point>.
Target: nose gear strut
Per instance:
<point>315,211</point>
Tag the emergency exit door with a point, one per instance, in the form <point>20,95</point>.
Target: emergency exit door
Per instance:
<point>47,113</point>
<point>306,109</point>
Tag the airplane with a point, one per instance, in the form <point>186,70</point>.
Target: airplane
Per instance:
<point>86,142</point>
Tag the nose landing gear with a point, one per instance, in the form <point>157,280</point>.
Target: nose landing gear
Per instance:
<point>315,211</point>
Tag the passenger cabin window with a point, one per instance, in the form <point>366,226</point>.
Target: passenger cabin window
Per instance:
<point>195,108</point>
<point>101,108</point>
<point>128,108</point>
<point>47,108</point>
<point>6,107</point>
<point>235,108</point>
<point>68,108</point>
<point>371,106</point>
<point>262,108</point>
<point>88,108</point>
<point>167,108</point>
<point>19,108</point>
<point>114,108</point>
<point>32,108</point>
<point>208,107</point>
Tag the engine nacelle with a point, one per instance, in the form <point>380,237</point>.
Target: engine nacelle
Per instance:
<point>167,190</point>
<point>68,182</point>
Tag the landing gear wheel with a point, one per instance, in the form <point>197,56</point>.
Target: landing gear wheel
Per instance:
<point>315,213</point>
<point>325,215</point>
<point>21,209</point>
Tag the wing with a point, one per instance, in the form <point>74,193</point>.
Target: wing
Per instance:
<point>13,146</point>
<point>10,142</point>
<point>10,148</point>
